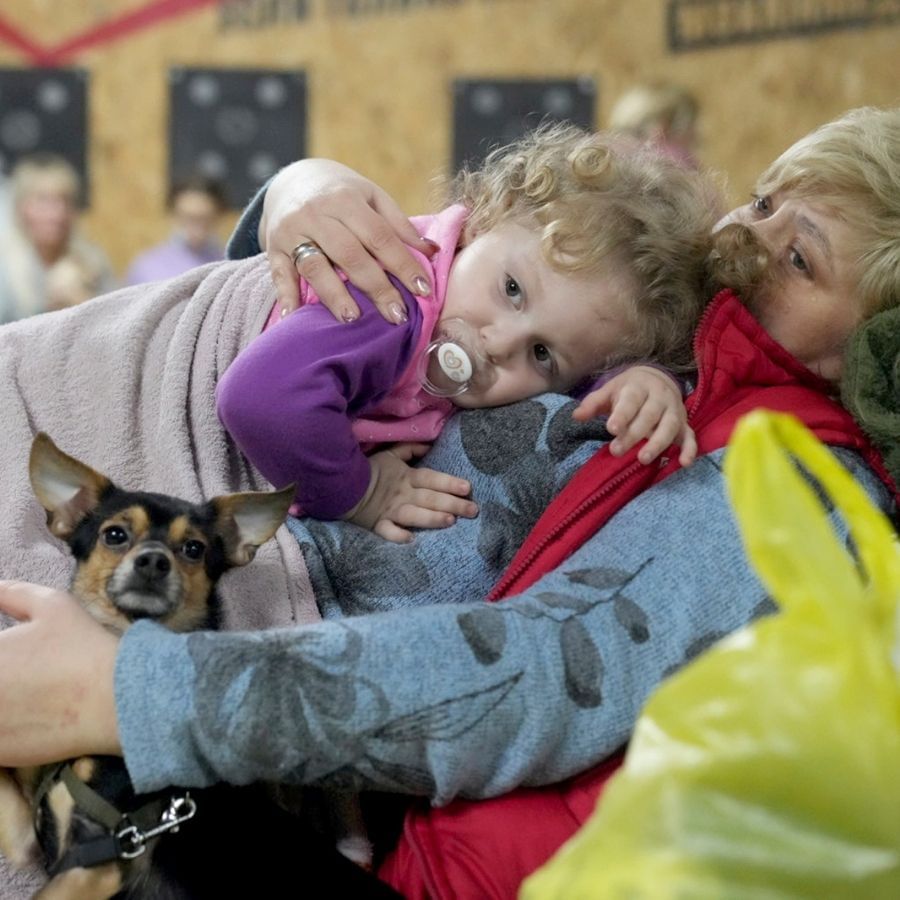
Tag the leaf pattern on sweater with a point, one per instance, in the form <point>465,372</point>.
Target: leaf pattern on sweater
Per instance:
<point>565,435</point>
<point>495,439</point>
<point>300,679</point>
<point>627,612</point>
<point>321,692</point>
<point>530,487</point>
<point>360,568</point>
<point>484,631</point>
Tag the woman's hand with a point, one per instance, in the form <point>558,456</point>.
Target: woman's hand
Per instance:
<point>401,497</point>
<point>56,679</point>
<point>359,229</point>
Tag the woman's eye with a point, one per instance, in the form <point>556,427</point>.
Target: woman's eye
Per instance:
<point>513,291</point>
<point>762,205</point>
<point>543,357</point>
<point>797,261</point>
<point>193,549</point>
<point>114,536</point>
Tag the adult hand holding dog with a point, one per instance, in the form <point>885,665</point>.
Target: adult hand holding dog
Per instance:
<point>56,679</point>
<point>339,218</point>
<point>401,497</point>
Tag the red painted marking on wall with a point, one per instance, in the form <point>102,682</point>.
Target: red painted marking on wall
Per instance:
<point>105,32</point>
<point>11,35</point>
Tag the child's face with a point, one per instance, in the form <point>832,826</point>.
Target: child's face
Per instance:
<point>808,302</point>
<point>539,330</point>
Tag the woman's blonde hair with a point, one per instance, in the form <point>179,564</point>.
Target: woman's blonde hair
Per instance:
<point>852,166</point>
<point>42,169</point>
<point>607,205</point>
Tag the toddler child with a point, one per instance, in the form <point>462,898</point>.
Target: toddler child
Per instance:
<point>567,254</point>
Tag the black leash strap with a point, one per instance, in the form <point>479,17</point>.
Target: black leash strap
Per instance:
<point>127,833</point>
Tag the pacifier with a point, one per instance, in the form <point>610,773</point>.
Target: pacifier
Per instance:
<point>451,364</point>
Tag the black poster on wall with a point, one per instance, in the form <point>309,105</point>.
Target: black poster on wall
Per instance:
<point>488,114</point>
<point>44,111</point>
<point>238,126</point>
<point>698,24</point>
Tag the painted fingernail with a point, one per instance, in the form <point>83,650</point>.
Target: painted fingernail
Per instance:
<point>398,313</point>
<point>349,316</point>
<point>421,286</point>
<point>430,244</point>
<point>283,311</point>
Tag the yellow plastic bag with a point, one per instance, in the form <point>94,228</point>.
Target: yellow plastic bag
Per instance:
<point>769,768</point>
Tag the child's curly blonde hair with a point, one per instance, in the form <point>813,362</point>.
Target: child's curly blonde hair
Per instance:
<point>605,204</point>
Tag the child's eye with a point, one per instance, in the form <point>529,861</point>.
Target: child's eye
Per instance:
<point>762,205</point>
<point>114,536</point>
<point>513,291</point>
<point>543,357</point>
<point>193,549</point>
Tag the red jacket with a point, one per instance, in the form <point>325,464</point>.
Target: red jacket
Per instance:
<point>479,850</point>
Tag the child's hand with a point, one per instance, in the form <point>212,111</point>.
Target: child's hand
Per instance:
<point>400,495</point>
<point>642,402</point>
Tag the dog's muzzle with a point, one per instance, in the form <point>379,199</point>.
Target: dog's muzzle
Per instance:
<point>145,583</point>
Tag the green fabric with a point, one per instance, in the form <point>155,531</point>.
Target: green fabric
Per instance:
<point>871,384</point>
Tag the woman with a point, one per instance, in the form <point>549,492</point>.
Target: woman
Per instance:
<point>614,590</point>
<point>41,241</point>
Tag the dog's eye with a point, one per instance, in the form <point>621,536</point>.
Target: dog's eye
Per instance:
<point>114,536</point>
<point>193,549</point>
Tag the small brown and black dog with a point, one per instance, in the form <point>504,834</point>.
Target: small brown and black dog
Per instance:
<point>145,555</point>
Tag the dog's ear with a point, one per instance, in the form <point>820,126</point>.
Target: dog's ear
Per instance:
<point>65,487</point>
<point>245,521</point>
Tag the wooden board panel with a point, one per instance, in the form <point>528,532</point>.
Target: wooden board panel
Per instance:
<point>380,76</point>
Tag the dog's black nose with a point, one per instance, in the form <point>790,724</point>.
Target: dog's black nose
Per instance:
<point>152,565</point>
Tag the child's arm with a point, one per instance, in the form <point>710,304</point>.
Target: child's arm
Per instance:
<point>642,402</point>
<point>401,497</point>
<point>289,397</point>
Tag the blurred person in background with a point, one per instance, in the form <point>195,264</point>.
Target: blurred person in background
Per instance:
<point>196,205</point>
<point>41,232</point>
<point>663,114</point>
<point>72,280</point>
<point>4,201</point>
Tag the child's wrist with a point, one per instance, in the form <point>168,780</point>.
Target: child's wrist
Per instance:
<point>359,513</point>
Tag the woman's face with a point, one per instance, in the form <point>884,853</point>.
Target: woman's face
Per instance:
<point>809,303</point>
<point>195,215</point>
<point>47,213</point>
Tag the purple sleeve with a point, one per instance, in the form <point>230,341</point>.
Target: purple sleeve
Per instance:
<point>288,399</point>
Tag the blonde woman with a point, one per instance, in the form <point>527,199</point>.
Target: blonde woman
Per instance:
<point>41,232</point>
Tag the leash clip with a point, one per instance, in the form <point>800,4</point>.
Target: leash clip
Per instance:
<point>132,842</point>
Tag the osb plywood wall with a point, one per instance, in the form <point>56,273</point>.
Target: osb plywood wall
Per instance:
<point>379,75</point>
